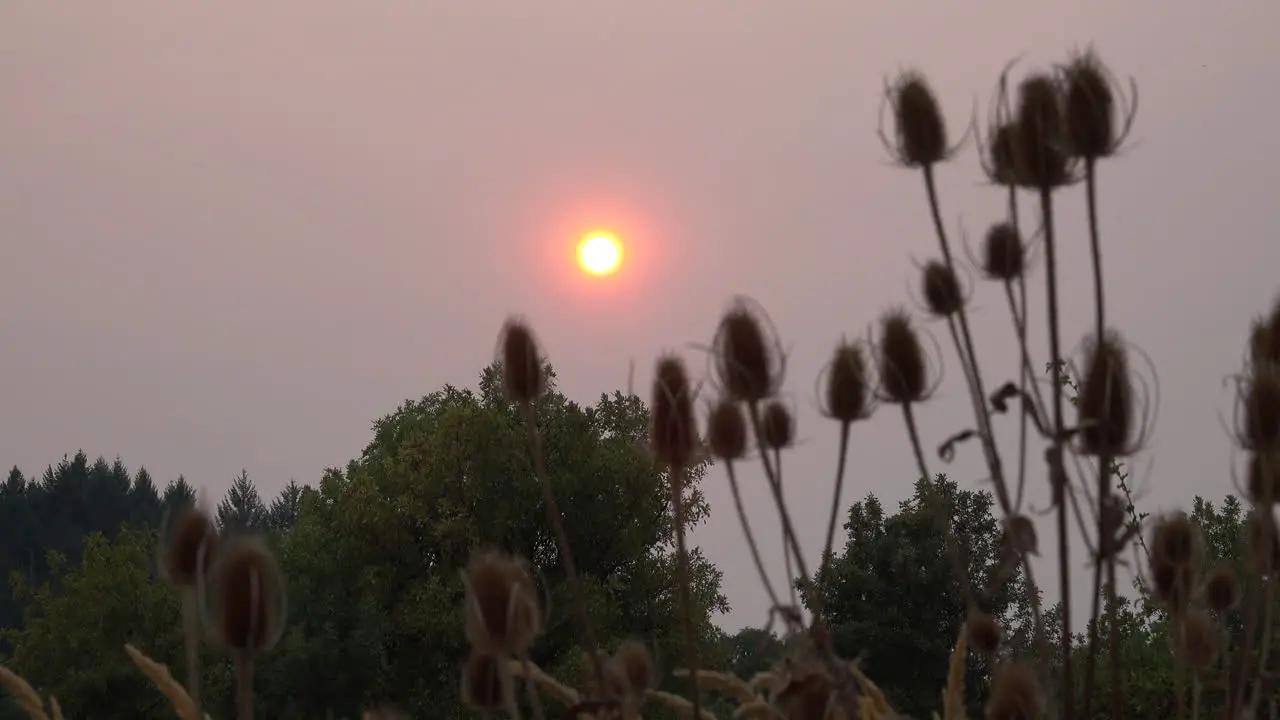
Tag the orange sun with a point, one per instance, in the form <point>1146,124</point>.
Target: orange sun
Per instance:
<point>600,253</point>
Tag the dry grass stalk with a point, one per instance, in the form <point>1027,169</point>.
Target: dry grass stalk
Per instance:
<point>164,681</point>
<point>25,695</point>
<point>953,696</point>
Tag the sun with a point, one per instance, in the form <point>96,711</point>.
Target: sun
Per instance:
<point>600,253</point>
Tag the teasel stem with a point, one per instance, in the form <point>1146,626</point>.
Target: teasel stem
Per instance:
<point>535,700</point>
<point>191,632</point>
<point>746,530</point>
<point>786,554</point>
<point>556,521</point>
<point>958,568</point>
<point>842,460</point>
<point>1018,310</point>
<point>682,583</point>
<point>244,685</point>
<point>968,358</point>
<point>1057,469</point>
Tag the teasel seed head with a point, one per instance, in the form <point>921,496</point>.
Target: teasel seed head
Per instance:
<point>1092,108</point>
<point>1264,342</point>
<point>747,358</point>
<point>848,384</point>
<point>998,161</point>
<point>1174,540</point>
<point>1221,589</point>
<point>727,430</point>
<point>501,614</point>
<point>903,367</point>
<point>1041,160</point>
<point>245,607</point>
<point>1199,639</point>
<point>982,633</point>
<point>1015,694</point>
<point>942,292</point>
<point>1171,585</point>
<point>1020,535</point>
<point>522,370</point>
<point>1003,254</point>
<point>190,541</point>
<point>777,426</point>
<point>1261,526</point>
<point>486,683</point>
<point>808,694</point>
<point>1261,408</point>
<point>1107,400</point>
<point>920,131</point>
<point>674,433</point>
<point>631,673</point>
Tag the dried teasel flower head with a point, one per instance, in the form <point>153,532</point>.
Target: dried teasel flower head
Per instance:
<point>920,133</point>
<point>982,632</point>
<point>245,599</point>
<point>943,294</point>
<point>1015,694</point>
<point>1174,540</point>
<point>522,370</point>
<point>1003,254</point>
<point>1020,535</point>
<point>1263,540</point>
<point>1171,585</point>
<point>486,682</point>
<point>808,694</point>
<point>1264,342</point>
<point>903,367</point>
<point>190,539</point>
<point>1199,639</point>
<point>673,430</point>
<point>727,430</point>
<point>1263,484</point>
<point>1040,154</point>
<point>1098,114</point>
<point>501,613</point>
<point>1259,421</point>
<point>848,393</point>
<point>777,426</point>
<point>998,156</point>
<point>1221,589</point>
<point>748,360</point>
<point>1107,400</point>
<point>630,673</point>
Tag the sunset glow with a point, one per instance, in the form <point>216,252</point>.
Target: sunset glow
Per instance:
<point>600,253</point>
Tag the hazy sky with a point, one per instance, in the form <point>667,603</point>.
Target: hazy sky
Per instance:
<point>236,233</point>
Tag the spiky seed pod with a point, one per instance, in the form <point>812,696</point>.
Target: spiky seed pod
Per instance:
<point>903,367</point>
<point>1015,694</point>
<point>1173,540</point>
<point>1106,400</point>
<point>809,694</point>
<point>1040,157</point>
<point>921,133</point>
<point>633,666</point>
<point>1001,153</point>
<point>942,292</point>
<point>1262,412</point>
<point>848,392</point>
<point>1090,108</point>
<point>1003,255</point>
<point>1221,589</point>
<point>1260,526</point>
<point>1199,639</point>
<point>982,632</point>
<point>674,432</point>
<point>1264,346</point>
<point>1171,585</point>
<point>501,614</point>
<point>1263,483</point>
<point>1020,535</point>
<point>246,597</point>
<point>748,364</point>
<point>727,431</point>
<point>522,370</point>
<point>486,684</point>
<point>190,542</point>
<point>777,427</point>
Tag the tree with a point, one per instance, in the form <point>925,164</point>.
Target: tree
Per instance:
<point>283,512</point>
<point>452,472</point>
<point>242,507</point>
<point>893,595</point>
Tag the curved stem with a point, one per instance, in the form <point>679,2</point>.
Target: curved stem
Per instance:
<point>682,583</point>
<point>786,548</point>
<point>842,458</point>
<point>751,540</point>
<point>556,521</point>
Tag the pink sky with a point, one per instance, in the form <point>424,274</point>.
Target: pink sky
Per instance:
<point>234,234</point>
